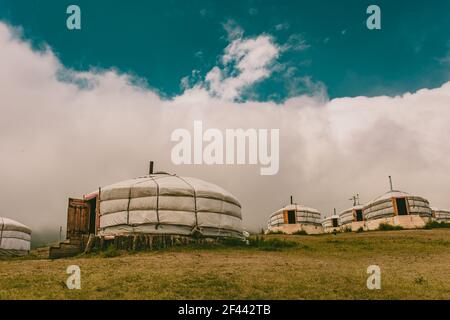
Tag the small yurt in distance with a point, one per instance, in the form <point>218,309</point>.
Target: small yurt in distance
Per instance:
<point>441,215</point>
<point>397,208</point>
<point>15,238</point>
<point>332,223</point>
<point>295,218</point>
<point>352,218</point>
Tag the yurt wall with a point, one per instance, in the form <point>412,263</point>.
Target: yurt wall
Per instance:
<point>15,238</point>
<point>441,215</point>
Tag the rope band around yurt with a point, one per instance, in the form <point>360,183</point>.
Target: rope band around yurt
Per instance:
<point>195,202</point>
<point>157,202</point>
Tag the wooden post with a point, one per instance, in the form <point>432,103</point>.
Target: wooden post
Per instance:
<point>90,243</point>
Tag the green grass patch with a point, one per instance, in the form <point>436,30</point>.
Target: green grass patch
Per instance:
<point>110,252</point>
<point>388,227</point>
<point>300,233</point>
<point>275,232</point>
<point>436,225</point>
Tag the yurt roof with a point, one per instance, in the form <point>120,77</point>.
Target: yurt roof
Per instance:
<point>334,216</point>
<point>440,210</point>
<point>12,225</point>
<point>391,194</point>
<point>297,207</point>
<point>172,184</point>
<point>357,207</point>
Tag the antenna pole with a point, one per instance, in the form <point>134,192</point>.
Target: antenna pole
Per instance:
<point>390,183</point>
<point>292,200</point>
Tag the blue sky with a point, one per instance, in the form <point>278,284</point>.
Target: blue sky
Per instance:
<point>164,41</point>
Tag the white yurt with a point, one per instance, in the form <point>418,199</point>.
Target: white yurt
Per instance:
<point>441,215</point>
<point>294,218</point>
<point>397,208</point>
<point>163,203</point>
<point>15,238</point>
<point>352,218</point>
<point>332,223</point>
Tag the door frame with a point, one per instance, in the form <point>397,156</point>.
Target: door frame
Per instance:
<point>394,204</point>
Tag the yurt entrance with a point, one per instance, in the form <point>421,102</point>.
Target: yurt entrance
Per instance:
<point>359,215</point>
<point>81,217</point>
<point>291,217</point>
<point>401,206</point>
<point>335,222</point>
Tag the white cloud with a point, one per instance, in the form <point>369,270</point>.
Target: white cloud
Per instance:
<point>296,42</point>
<point>245,62</point>
<point>282,26</point>
<point>57,140</point>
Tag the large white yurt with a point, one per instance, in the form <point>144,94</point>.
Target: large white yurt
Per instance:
<point>15,238</point>
<point>441,215</point>
<point>294,218</point>
<point>163,203</point>
<point>332,223</point>
<point>397,208</point>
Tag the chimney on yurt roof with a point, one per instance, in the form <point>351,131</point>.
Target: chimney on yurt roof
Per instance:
<point>390,183</point>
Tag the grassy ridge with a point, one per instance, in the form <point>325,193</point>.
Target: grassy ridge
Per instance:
<point>414,264</point>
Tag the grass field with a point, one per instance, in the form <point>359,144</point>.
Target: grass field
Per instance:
<point>414,265</point>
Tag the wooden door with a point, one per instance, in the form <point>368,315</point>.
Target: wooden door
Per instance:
<point>78,218</point>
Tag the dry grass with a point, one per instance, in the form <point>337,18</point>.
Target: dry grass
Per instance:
<point>415,265</point>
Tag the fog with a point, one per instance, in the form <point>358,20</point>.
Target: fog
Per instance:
<point>64,134</point>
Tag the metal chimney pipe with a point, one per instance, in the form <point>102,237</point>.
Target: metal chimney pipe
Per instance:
<point>390,183</point>
<point>292,200</point>
<point>150,171</point>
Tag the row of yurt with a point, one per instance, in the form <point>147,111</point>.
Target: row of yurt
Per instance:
<point>295,218</point>
<point>395,208</point>
<point>441,215</point>
<point>157,204</point>
<point>15,238</point>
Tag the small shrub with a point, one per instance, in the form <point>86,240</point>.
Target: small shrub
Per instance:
<point>420,280</point>
<point>348,229</point>
<point>300,233</point>
<point>275,232</point>
<point>436,224</point>
<point>233,242</point>
<point>361,229</point>
<point>388,227</point>
<point>110,252</point>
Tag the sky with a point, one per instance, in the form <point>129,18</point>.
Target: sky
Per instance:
<point>87,108</point>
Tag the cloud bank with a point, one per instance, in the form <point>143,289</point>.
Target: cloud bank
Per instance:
<point>65,133</point>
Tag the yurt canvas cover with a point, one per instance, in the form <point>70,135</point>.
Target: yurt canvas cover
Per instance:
<point>294,214</point>
<point>15,237</point>
<point>441,215</point>
<point>397,203</point>
<point>354,214</point>
<point>331,222</point>
<point>169,204</point>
